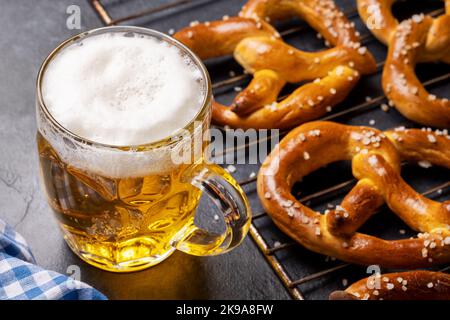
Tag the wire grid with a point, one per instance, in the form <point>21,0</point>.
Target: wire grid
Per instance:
<point>291,283</point>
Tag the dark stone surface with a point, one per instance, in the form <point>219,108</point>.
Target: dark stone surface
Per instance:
<point>30,29</point>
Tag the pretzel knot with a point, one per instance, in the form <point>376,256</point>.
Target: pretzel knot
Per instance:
<point>257,46</point>
<point>412,285</point>
<point>376,158</point>
<point>416,40</point>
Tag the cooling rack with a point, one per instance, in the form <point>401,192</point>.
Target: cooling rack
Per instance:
<point>305,274</point>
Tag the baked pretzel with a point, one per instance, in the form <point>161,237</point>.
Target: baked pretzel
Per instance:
<point>412,285</point>
<point>257,46</point>
<point>419,39</point>
<point>376,157</point>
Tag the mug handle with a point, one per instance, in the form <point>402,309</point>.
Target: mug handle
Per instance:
<point>232,203</point>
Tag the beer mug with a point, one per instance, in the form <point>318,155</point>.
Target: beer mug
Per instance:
<point>128,207</point>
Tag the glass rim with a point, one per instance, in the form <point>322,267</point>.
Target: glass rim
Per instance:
<point>141,30</point>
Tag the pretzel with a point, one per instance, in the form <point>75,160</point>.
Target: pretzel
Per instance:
<point>412,285</point>
<point>376,158</point>
<point>419,39</point>
<point>257,46</point>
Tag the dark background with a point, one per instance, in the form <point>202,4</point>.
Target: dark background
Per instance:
<point>30,29</point>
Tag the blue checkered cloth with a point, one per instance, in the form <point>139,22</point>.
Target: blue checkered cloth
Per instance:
<point>22,279</point>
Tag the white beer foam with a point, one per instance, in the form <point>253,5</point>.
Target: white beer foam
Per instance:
<point>116,163</point>
<point>120,90</point>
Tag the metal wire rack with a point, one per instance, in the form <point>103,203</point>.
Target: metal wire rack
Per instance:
<point>291,281</point>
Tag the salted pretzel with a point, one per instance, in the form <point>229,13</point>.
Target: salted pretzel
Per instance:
<point>416,40</point>
<point>412,285</point>
<point>257,46</point>
<point>376,158</point>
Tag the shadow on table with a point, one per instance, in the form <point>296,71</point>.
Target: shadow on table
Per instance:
<point>181,276</point>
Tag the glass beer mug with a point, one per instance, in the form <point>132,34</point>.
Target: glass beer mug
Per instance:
<point>126,208</point>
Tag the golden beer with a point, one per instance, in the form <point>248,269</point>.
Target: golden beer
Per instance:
<point>125,223</point>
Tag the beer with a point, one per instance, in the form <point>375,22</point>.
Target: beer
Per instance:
<point>112,104</point>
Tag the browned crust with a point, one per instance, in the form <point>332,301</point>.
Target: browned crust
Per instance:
<point>412,285</point>
<point>419,39</point>
<point>378,172</point>
<point>258,48</point>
